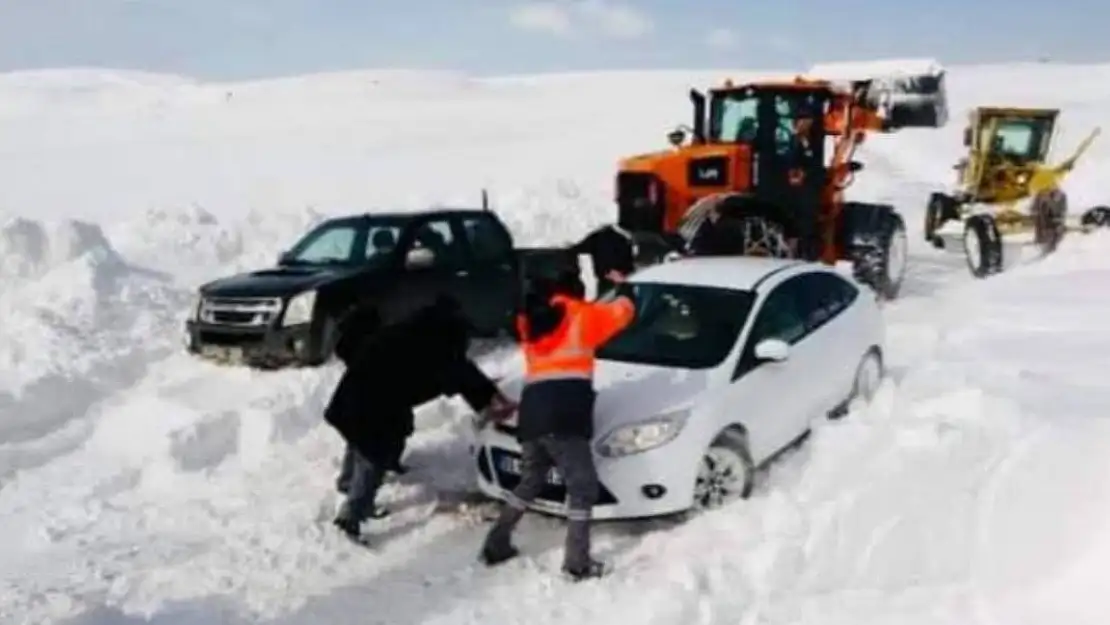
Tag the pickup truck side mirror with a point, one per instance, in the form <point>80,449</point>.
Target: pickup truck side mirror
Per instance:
<point>419,258</point>
<point>284,258</point>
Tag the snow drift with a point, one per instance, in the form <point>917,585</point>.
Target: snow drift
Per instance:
<point>136,482</point>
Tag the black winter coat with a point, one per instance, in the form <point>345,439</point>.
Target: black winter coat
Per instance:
<point>609,249</point>
<point>392,369</point>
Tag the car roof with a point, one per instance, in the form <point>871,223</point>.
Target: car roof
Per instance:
<point>408,215</point>
<point>727,272</point>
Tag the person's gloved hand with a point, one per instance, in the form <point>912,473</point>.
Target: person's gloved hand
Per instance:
<point>500,408</point>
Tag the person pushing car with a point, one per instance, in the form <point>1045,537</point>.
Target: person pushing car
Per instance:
<point>391,370</point>
<point>560,332</point>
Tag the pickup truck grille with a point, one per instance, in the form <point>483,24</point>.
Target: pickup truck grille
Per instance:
<point>240,311</point>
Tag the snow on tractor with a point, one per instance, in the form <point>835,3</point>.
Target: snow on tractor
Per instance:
<point>1007,200</point>
<point>758,177</point>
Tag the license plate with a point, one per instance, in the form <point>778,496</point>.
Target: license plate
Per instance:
<point>221,352</point>
<point>513,466</point>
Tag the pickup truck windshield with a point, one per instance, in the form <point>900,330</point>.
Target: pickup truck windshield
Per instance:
<point>690,327</point>
<point>348,241</point>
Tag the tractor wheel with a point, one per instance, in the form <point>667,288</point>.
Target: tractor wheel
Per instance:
<point>941,208</point>
<point>1097,217</point>
<point>1049,211</point>
<point>982,246</point>
<point>745,235</point>
<point>760,236</point>
<point>882,263</point>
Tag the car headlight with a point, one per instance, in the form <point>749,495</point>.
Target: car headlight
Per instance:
<point>299,309</point>
<point>643,436</point>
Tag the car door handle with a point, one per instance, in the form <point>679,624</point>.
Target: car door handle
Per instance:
<point>462,273</point>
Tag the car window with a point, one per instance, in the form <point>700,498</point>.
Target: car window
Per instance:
<point>437,237</point>
<point>782,315</point>
<point>381,241</point>
<point>487,240</point>
<point>327,244</point>
<point>825,295</point>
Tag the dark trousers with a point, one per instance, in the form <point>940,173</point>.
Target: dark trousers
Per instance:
<point>365,479</point>
<point>347,468</point>
<point>574,459</point>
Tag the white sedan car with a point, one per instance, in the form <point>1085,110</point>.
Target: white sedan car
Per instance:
<point>728,362</point>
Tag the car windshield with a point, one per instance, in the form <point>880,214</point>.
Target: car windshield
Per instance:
<point>690,327</point>
<point>348,241</point>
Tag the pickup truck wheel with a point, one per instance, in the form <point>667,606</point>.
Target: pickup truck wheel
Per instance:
<point>323,347</point>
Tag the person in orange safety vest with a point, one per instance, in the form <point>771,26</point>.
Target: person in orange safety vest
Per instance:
<point>560,333</point>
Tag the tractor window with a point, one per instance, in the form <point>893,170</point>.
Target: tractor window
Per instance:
<point>737,119</point>
<point>795,115</point>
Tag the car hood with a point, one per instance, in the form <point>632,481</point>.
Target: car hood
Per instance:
<point>628,393</point>
<point>278,281</point>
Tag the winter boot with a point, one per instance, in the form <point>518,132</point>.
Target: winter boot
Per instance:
<point>492,556</point>
<point>591,570</point>
<point>498,546</point>
<point>578,563</point>
<point>348,526</point>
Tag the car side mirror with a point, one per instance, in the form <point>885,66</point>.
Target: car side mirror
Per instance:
<point>283,258</point>
<point>419,258</point>
<point>776,350</point>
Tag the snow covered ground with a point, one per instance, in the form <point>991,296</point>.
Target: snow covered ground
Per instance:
<point>138,485</point>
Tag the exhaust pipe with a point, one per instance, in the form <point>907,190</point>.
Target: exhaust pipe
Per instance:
<point>910,93</point>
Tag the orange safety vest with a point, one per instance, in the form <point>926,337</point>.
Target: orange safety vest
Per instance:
<point>568,352</point>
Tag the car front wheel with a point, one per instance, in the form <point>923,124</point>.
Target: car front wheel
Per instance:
<point>725,474</point>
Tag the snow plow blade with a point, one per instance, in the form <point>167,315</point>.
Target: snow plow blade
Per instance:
<point>910,92</point>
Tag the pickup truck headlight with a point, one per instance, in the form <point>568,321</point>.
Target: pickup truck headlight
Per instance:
<point>299,309</point>
<point>643,436</point>
<point>194,306</point>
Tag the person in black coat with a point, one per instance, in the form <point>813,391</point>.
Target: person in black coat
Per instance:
<point>391,370</point>
<point>613,252</point>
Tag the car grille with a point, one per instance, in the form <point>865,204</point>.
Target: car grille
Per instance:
<point>551,493</point>
<point>240,311</point>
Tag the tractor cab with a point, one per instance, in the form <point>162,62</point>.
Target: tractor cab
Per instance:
<point>779,130</point>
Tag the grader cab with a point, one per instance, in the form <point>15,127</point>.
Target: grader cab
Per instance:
<point>757,175</point>
<point>1007,197</point>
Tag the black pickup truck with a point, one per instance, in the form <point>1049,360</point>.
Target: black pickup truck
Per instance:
<point>396,262</point>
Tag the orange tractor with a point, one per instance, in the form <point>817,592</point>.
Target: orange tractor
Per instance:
<point>759,176</point>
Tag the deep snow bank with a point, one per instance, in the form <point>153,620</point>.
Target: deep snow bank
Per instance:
<point>77,318</point>
<point>87,311</point>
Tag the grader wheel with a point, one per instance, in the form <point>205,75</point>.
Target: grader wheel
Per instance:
<point>1049,211</point>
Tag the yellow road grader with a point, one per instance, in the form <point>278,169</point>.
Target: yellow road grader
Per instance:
<point>1008,201</point>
